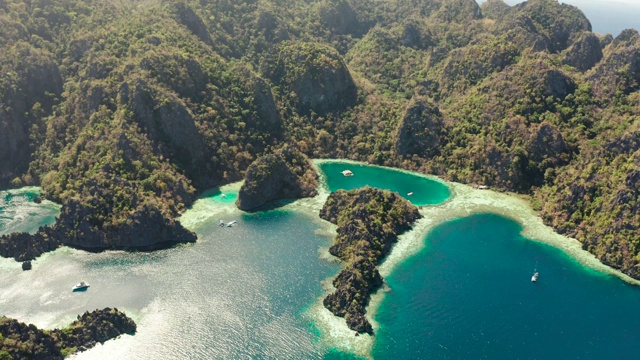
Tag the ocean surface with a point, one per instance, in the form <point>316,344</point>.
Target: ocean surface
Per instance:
<point>19,212</point>
<point>247,291</point>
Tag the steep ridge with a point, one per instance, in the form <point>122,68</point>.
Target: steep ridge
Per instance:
<point>140,107</point>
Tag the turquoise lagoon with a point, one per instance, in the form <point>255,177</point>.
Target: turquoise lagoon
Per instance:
<point>423,190</point>
<point>469,295</point>
<point>251,291</point>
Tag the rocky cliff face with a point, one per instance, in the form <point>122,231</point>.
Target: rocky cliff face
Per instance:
<point>145,229</point>
<point>559,22</point>
<point>171,126</point>
<point>339,17</point>
<point>193,22</point>
<point>619,70</point>
<point>285,174</point>
<point>317,75</point>
<point>419,130</point>
<point>369,222</point>
<point>31,84</point>
<point>584,53</point>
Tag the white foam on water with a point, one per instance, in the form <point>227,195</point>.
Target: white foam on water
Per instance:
<point>19,214</point>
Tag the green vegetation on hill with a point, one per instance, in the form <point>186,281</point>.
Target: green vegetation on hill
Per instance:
<point>285,174</point>
<point>22,341</point>
<point>125,111</point>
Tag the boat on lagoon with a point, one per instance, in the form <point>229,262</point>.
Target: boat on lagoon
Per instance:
<point>81,286</point>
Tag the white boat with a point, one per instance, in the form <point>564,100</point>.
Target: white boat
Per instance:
<point>230,224</point>
<point>347,173</point>
<point>81,286</point>
<point>534,278</point>
<point>409,194</point>
<point>222,223</point>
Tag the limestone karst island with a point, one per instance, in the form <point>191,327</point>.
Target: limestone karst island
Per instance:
<point>319,179</point>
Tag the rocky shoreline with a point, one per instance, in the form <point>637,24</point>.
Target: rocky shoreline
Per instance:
<point>145,231</point>
<point>22,341</point>
<point>369,221</point>
<point>285,174</point>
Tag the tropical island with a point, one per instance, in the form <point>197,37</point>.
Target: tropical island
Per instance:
<point>22,341</point>
<point>124,113</point>
<point>124,131</point>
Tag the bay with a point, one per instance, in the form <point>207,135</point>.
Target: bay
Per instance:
<point>469,295</point>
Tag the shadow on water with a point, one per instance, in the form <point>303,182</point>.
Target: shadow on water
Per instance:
<point>272,205</point>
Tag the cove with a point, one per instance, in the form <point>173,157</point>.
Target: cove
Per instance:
<point>425,191</point>
<point>238,293</point>
<point>468,295</point>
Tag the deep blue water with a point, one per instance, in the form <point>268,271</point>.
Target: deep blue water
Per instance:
<point>469,295</point>
<point>243,292</point>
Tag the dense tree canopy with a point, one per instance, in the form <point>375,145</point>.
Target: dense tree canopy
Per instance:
<point>124,111</point>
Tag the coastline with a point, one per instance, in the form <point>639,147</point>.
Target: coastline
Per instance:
<point>463,202</point>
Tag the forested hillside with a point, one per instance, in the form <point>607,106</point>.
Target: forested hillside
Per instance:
<point>124,111</point>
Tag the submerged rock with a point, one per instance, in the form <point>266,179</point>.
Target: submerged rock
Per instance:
<point>26,265</point>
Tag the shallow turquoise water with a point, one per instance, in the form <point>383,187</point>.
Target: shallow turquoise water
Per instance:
<point>469,295</point>
<point>19,212</point>
<point>425,191</point>
<point>242,292</point>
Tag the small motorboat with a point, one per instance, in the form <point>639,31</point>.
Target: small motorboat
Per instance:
<point>534,278</point>
<point>81,286</point>
<point>347,173</point>
<point>231,223</point>
<point>224,196</point>
<point>409,194</point>
<point>222,223</point>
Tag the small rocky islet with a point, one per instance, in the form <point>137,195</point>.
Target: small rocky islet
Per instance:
<point>285,174</point>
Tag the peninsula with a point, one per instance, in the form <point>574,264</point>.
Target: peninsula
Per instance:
<point>369,221</point>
